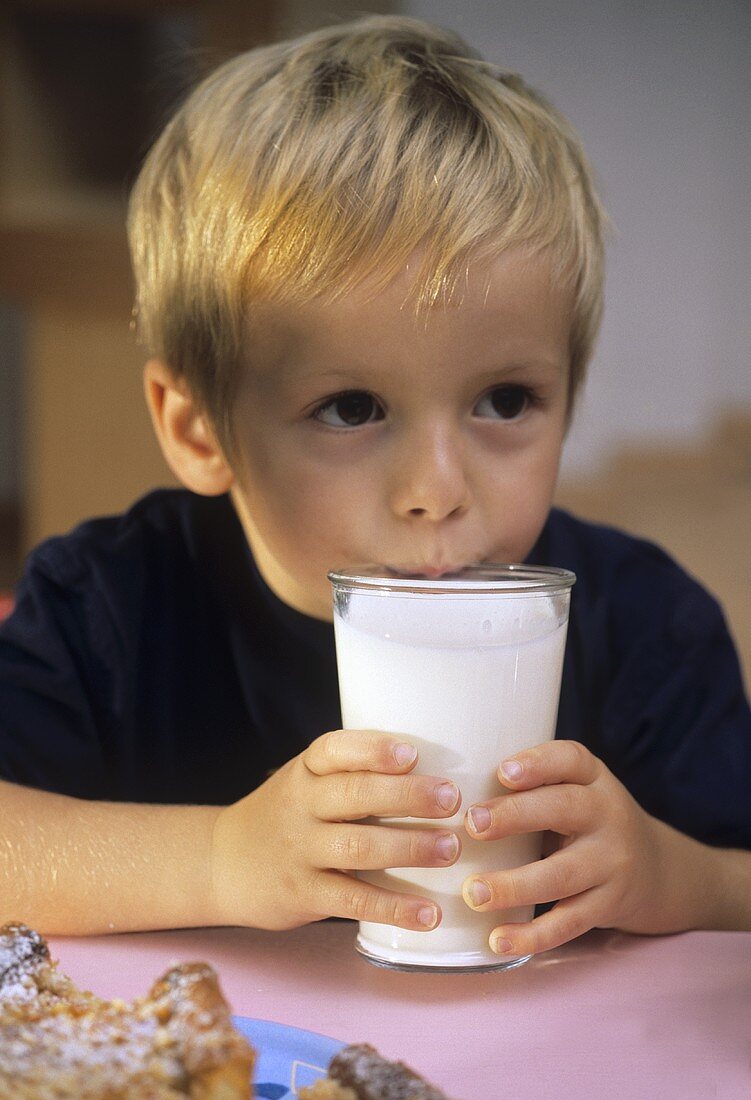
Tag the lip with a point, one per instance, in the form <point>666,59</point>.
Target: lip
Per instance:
<point>429,572</point>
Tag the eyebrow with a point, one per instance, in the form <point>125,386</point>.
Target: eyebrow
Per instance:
<point>549,366</point>
<point>536,365</point>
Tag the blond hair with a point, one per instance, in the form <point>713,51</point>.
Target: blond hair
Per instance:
<point>297,170</point>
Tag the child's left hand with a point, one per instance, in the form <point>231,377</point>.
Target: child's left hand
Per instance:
<point>610,866</point>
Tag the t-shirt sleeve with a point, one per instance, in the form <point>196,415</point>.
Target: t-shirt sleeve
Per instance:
<point>676,722</point>
<point>54,654</point>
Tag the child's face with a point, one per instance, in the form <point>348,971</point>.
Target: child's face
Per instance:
<point>367,435</point>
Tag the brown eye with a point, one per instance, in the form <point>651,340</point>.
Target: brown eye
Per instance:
<point>349,410</point>
<point>505,402</point>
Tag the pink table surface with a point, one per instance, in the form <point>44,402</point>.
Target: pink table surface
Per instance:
<point>608,1015</point>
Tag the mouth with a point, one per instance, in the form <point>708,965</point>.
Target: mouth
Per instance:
<point>425,572</point>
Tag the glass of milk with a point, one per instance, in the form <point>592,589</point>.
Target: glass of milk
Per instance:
<point>468,668</point>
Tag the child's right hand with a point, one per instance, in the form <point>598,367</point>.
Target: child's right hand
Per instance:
<point>286,853</point>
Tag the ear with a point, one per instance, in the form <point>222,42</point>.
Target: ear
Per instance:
<point>187,440</point>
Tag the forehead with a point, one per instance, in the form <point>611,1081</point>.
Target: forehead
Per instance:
<point>507,307</point>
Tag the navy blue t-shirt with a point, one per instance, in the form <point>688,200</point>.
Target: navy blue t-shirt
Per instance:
<point>148,661</point>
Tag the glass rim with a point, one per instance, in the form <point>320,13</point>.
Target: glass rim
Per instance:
<point>482,578</point>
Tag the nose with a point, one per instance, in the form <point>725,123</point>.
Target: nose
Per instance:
<point>430,477</point>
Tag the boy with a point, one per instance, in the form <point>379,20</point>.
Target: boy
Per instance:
<point>369,277</point>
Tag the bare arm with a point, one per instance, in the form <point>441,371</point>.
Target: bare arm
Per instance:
<point>730,907</point>
<point>280,857</point>
<point>696,886</point>
<point>74,867</point>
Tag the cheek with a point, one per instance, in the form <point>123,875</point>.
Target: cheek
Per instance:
<point>544,471</point>
<point>295,500</point>
<point>523,506</point>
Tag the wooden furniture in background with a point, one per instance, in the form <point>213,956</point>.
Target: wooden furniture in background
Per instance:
<point>85,87</point>
<point>696,503</point>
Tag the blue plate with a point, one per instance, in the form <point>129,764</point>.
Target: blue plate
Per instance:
<point>288,1057</point>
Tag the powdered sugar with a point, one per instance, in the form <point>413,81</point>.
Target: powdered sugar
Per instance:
<point>56,1040</point>
<point>22,952</point>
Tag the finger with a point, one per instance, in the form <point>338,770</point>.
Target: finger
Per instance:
<point>359,750</point>
<point>568,808</point>
<point>549,763</point>
<point>562,875</point>
<point>351,795</point>
<point>342,895</point>
<point>564,922</point>
<point>372,847</point>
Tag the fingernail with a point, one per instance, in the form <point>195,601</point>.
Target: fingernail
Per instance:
<point>479,892</point>
<point>501,946</point>
<point>447,847</point>
<point>479,819</point>
<point>405,754</point>
<point>427,916</point>
<point>512,769</point>
<point>447,796</point>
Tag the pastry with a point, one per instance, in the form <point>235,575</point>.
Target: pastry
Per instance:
<point>57,1041</point>
<point>358,1072</point>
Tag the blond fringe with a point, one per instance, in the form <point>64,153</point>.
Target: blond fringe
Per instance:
<point>298,170</point>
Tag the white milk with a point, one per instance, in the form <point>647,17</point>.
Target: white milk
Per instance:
<point>469,680</point>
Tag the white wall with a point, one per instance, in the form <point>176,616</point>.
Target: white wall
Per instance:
<point>661,93</point>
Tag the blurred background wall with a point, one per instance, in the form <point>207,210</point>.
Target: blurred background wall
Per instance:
<point>660,92</point>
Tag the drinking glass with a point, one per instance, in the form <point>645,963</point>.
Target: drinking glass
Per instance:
<point>466,667</point>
